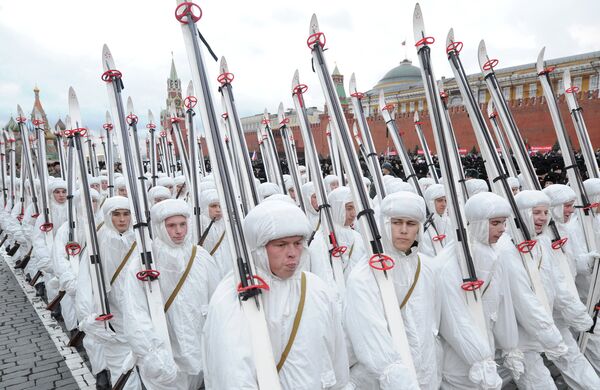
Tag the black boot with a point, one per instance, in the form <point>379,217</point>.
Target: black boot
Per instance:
<point>40,290</point>
<point>57,314</point>
<point>103,380</point>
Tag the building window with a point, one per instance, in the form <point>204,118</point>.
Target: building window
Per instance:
<point>532,90</point>
<point>412,107</point>
<point>403,108</point>
<point>482,96</point>
<point>577,82</point>
<point>593,82</point>
<point>506,93</point>
<point>519,92</point>
<point>455,101</point>
<point>420,105</point>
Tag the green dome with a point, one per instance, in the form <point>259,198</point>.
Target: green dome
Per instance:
<point>405,73</point>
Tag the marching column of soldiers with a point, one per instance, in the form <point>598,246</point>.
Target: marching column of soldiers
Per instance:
<point>171,276</point>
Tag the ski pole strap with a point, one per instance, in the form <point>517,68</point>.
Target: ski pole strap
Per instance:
<point>102,203</point>
<point>123,262</point>
<point>414,283</point>
<point>212,252</point>
<point>182,279</point>
<point>296,325</point>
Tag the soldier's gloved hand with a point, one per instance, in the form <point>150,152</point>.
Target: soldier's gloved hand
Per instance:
<point>159,366</point>
<point>485,375</point>
<point>581,323</point>
<point>514,361</point>
<point>98,329</point>
<point>68,283</point>
<point>557,352</point>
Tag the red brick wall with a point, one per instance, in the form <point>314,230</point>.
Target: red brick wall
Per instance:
<point>532,117</point>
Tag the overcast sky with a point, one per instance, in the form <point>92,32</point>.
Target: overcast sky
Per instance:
<point>57,44</point>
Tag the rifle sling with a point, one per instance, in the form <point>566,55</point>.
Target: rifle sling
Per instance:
<point>212,252</point>
<point>123,263</point>
<point>414,284</point>
<point>181,280</point>
<point>296,325</point>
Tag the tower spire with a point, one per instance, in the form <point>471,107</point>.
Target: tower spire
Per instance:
<point>173,75</point>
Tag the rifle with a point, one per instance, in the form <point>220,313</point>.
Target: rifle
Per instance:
<point>53,303</point>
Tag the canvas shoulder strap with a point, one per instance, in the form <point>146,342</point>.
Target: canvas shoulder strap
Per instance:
<point>214,250</point>
<point>413,285</point>
<point>296,325</point>
<point>181,280</point>
<point>123,262</point>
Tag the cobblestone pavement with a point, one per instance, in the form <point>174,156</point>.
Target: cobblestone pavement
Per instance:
<point>33,351</point>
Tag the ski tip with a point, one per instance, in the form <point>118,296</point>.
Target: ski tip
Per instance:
<point>37,114</point>
<point>354,129</point>
<point>20,111</point>
<point>450,37</point>
<point>482,55</point>
<point>129,105</point>
<point>266,113</point>
<point>73,103</point>
<point>223,68</point>
<point>190,88</point>
<point>440,84</point>
<point>295,79</point>
<point>172,109</point>
<point>150,117</point>
<point>314,24</point>
<point>490,108</point>
<point>280,114</point>
<point>352,83</point>
<point>418,24</point>
<point>566,80</point>
<point>107,117</point>
<point>381,99</point>
<point>416,117</point>
<point>540,60</point>
<point>107,59</point>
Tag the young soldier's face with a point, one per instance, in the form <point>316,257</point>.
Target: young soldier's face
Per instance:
<point>60,195</point>
<point>95,186</point>
<point>177,228</point>
<point>122,191</point>
<point>540,218</point>
<point>121,218</point>
<point>440,205</point>
<point>313,202</point>
<point>568,210</point>
<point>292,193</point>
<point>497,226</point>
<point>404,233</point>
<point>104,184</point>
<point>284,255</point>
<point>214,211</point>
<point>350,214</point>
